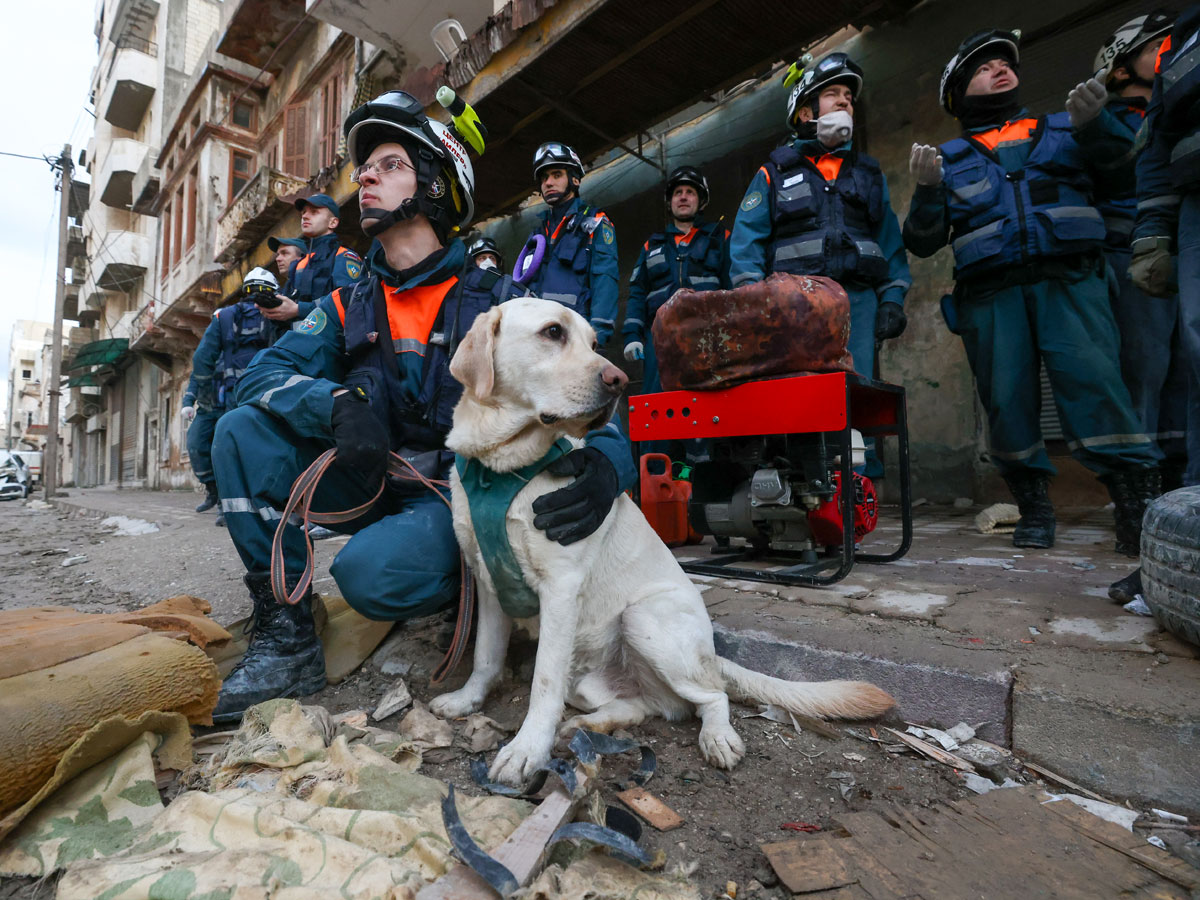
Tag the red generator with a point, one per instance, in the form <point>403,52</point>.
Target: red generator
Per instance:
<point>781,452</point>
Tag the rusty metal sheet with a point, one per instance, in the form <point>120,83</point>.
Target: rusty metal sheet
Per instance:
<point>784,325</point>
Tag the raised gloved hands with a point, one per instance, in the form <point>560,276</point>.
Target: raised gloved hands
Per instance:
<point>1086,101</point>
<point>573,512</point>
<point>1150,268</point>
<point>925,164</point>
<point>634,351</point>
<point>362,439</point>
<point>890,321</point>
<point>187,414</point>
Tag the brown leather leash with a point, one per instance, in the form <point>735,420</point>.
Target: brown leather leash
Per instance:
<point>300,504</point>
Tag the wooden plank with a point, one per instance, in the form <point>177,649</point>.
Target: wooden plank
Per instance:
<point>1126,843</point>
<point>1058,779</point>
<point>650,808</point>
<point>1054,851</point>
<point>815,725</point>
<point>810,865</point>
<point>932,751</point>
<point>904,865</point>
<point>1006,842</point>
<point>521,853</point>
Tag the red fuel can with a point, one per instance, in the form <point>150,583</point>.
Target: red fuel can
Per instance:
<point>665,501</point>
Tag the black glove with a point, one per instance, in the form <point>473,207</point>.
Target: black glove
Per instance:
<point>362,440</point>
<point>890,321</point>
<point>572,513</point>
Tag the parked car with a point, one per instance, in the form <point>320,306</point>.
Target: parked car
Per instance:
<point>33,460</point>
<point>14,476</point>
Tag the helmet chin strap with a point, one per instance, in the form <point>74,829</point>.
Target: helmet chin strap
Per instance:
<point>383,219</point>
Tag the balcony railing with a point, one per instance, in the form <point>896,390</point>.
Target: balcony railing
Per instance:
<point>259,206</point>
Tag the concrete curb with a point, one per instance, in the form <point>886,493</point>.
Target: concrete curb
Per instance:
<point>924,692</point>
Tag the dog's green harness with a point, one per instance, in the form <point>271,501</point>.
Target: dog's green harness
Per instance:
<point>489,495</point>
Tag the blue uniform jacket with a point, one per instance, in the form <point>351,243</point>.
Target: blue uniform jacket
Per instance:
<point>1116,198</point>
<point>201,389</point>
<point>327,266</point>
<point>1158,188</point>
<point>1099,151</point>
<point>683,271</point>
<point>295,379</point>
<point>600,282</point>
<point>753,225</point>
<point>204,388</point>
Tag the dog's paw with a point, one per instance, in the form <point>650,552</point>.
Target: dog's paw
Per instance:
<point>722,747</point>
<point>567,729</point>
<point>517,761</point>
<point>455,705</point>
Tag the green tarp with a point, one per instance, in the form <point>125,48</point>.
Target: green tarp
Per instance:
<point>100,353</point>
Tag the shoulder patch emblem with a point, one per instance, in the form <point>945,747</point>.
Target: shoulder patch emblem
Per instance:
<point>315,323</point>
<point>353,267</point>
<point>752,200</point>
<point>606,232</point>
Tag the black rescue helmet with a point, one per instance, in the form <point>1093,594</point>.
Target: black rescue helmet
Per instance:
<point>688,175</point>
<point>484,245</point>
<point>554,154</point>
<point>975,50</point>
<point>833,68</point>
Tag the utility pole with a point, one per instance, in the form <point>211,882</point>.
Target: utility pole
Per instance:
<point>50,454</point>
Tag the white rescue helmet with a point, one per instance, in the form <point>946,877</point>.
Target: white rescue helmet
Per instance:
<point>258,280</point>
<point>1129,39</point>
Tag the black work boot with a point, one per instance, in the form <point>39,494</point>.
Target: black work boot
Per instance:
<point>1131,491</point>
<point>1031,490</point>
<point>1172,469</point>
<point>1127,589</point>
<point>284,658</point>
<point>210,497</point>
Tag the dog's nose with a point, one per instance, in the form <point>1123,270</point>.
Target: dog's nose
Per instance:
<point>614,379</point>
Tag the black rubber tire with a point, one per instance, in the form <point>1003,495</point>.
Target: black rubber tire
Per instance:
<point>1171,562</point>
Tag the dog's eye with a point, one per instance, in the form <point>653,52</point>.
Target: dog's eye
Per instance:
<point>555,332</point>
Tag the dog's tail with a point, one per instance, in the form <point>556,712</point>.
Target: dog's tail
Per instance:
<point>829,699</point>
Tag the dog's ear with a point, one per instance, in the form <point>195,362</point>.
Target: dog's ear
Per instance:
<point>472,361</point>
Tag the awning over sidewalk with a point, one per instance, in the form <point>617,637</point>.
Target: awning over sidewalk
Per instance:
<point>100,353</point>
<point>88,380</point>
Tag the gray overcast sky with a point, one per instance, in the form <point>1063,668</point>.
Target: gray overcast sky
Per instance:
<point>45,67</point>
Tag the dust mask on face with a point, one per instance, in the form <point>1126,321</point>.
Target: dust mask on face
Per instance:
<point>486,264</point>
<point>835,128</point>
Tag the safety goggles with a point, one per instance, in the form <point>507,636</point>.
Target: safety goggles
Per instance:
<point>251,289</point>
<point>398,101</point>
<point>553,151</point>
<point>829,63</point>
<point>380,167</point>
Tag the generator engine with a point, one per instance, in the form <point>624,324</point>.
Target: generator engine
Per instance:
<point>779,492</point>
<point>780,474</point>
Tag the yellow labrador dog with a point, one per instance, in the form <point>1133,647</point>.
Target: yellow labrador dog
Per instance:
<point>623,632</point>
